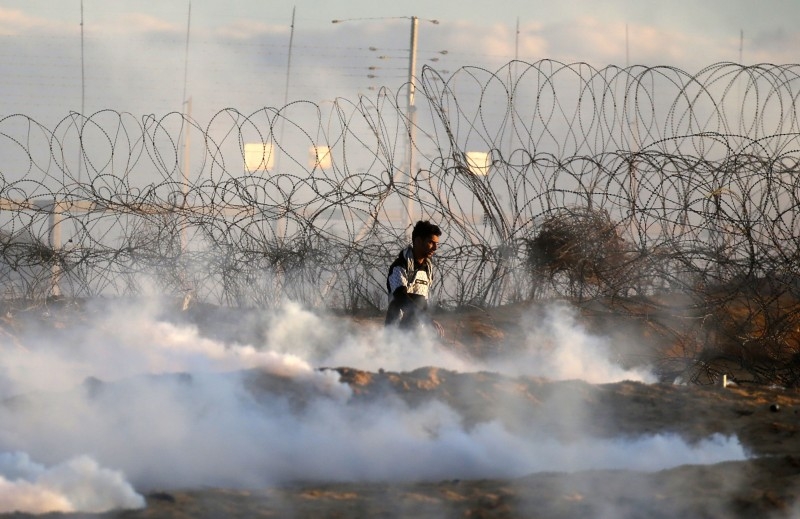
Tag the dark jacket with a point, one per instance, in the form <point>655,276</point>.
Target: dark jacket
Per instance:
<point>408,285</point>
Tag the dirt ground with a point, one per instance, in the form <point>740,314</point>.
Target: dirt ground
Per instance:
<point>766,420</point>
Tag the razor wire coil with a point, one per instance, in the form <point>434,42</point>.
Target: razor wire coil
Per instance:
<point>697,173</point>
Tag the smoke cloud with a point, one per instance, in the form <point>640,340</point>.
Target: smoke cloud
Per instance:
<point>559,348</point>
<point>79,484</point>
<point>134,400</point>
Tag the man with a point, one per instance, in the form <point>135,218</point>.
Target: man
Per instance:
<point>410,277</point>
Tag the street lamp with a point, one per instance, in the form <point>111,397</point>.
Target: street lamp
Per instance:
<point>478,162</point>
<point>411,114</point>
<point>412,52</point>
<point>386,57</point>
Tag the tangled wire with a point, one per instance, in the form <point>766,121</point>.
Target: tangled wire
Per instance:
<point>548,179</point>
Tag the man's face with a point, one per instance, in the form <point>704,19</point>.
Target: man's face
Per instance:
<point>425,247</point>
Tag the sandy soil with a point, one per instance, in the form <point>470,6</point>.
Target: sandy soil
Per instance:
<point>766,421</point>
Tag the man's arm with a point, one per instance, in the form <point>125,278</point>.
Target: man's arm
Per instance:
<point>401,297</point>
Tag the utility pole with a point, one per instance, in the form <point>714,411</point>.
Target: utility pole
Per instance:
<point>741,46</point>
<point>412,116</point>
<point>278,153</point>
<point>187,118</point>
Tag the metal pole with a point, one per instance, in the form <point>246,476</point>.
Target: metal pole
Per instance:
<point>281,224</point>
<point>412,62</point>
<point>186,152</point>
<point>627,48</point>
<point>741,46</point>
<point>186,52</point>
<point>83,91</point>
<point>285,93</point>
<point>513,73</point>
<point>412,115</point>
<point>187,118</point>
<point>289,61</point>
<point>55,245</point>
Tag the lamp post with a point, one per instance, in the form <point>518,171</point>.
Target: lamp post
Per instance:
<point>411,115</point>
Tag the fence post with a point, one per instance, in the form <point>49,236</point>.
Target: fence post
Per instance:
<point>55,220</point>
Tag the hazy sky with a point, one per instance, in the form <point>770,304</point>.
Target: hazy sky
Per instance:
<point>133,54</point>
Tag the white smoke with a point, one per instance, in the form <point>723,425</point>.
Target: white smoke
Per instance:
<point>555,346</point>
<point>208,431</point>
<point>327,343</point>
<point>78,484</point>
<point>128,340</point>
<point>559,348</point>
<point>171,408</point>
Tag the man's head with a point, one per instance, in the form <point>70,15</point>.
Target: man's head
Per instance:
<point>425,240</point>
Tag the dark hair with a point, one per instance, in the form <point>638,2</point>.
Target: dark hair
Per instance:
<point>425,229</point>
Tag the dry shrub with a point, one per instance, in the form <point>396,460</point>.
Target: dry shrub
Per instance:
<point>582,245</point>
<point>756,332</point>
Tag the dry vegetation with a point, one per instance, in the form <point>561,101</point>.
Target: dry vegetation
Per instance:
<point>726,320</point>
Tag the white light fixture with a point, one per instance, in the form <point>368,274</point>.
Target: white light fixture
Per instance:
<point>258,156</point>
<point>478,162</point>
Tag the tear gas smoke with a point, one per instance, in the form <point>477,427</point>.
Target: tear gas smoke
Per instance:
<point>559,348</point>
<point>78,484</point>
<point>162,406</point>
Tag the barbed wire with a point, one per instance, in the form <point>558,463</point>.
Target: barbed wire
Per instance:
<point>671,197</point>
<point>697,173</point>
